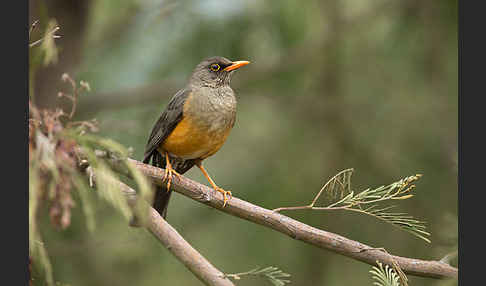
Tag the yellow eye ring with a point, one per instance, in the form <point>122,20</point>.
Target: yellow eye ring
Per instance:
<point>215,67</point>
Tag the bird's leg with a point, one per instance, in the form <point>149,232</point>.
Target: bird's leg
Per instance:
<point>169,171</point>
<point>226,194</point>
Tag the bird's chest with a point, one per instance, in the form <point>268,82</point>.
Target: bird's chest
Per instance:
<point>206,123</point>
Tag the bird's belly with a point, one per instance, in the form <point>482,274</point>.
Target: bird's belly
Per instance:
<point>193,141</point>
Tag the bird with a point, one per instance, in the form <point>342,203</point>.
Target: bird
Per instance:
<point>193,126</point>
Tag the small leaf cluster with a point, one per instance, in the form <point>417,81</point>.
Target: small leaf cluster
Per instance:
<point>271,273</point>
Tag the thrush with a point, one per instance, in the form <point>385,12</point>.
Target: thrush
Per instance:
<point>193,126</point>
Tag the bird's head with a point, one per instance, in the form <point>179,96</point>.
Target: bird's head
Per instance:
<point>215,71</point>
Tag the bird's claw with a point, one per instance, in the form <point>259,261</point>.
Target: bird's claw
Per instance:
<point>168,176</point>
<point>226,194</point>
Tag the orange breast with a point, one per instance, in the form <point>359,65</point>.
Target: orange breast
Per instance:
<point>191,141</point>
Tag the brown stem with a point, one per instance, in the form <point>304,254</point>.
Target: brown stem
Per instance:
<point>298,230</point>
<point>175,243</point>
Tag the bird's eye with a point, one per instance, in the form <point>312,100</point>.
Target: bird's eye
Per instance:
<point>215,67</point>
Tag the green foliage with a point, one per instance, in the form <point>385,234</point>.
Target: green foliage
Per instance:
<point>271,273</point>
<point>400,220</point>
<point>338,191</point>
<point>48,45</point>
<point>86,203</point>
<point>47,54</point>
<point>36,246</point>
<point>62,155</point>
<point>385,276</point>
<point>107,180</point>
<point>399,190</point>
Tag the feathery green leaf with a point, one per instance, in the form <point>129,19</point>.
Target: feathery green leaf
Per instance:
<point>271,273</point>
<point>385,276</point>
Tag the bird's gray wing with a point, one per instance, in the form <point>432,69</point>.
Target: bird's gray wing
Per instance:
<point>166,123</point>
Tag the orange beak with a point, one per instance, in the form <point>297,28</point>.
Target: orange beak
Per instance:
<point>236,65</point>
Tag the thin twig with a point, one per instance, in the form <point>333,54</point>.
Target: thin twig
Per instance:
<point>447,258</point>
<point>76,91</point>
<point>47,35</point>
<point>333,181</point>
<point>32,27</point>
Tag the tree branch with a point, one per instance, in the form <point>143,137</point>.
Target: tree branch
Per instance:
<point>174,242</point>
<point>295,229</point>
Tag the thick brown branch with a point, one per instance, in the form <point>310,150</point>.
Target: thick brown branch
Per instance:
<point>176,244</point>
<point>298,230</point>
<point>184,252</point>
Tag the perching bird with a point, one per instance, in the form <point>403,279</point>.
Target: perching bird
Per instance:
<point>194,125</point>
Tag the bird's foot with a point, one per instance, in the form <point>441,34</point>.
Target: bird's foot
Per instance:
<point>226,194</point>
<point>168,175</point>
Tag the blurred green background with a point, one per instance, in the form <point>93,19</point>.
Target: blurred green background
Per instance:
<point>371,85</point>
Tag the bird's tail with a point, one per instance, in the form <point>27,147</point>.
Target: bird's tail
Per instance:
<point>161,200</point>
<point>162,195</point>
